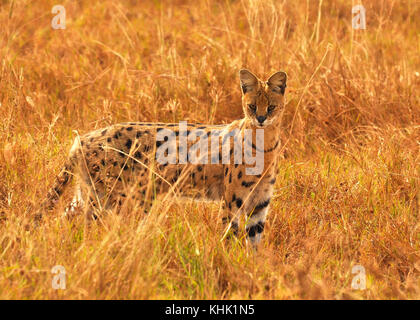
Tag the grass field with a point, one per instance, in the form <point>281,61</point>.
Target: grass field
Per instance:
<point>348,190</point>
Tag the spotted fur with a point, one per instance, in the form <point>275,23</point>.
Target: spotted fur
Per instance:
<point>115,164</point>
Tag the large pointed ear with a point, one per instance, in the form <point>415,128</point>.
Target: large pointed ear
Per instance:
<point>249,82</point>
<point>277,82</point>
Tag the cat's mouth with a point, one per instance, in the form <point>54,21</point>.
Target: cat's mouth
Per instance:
<point>261,125</point>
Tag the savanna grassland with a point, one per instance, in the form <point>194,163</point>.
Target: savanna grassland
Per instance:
<point>348,187</point>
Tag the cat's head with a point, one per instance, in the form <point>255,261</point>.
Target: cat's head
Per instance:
<point>263,102</point>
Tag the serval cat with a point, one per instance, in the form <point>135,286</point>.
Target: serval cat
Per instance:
<point>115,164</point>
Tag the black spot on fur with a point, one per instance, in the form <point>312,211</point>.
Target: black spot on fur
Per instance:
<point>128,143</point>
<point>58,191</point>
<point>247,184</point>
<point>129,128</point>
<point>251,231</point>
<point>239,202</point>
<point>260,227</point>
<point>235,227</point>
<point>259,207</point>
<point>240,175</point>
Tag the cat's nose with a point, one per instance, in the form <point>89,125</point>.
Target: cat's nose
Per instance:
<point>261,119</point>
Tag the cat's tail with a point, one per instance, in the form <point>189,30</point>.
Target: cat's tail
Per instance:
<point>61,182</point>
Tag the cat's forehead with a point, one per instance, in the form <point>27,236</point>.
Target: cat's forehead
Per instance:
<point>262,94</point>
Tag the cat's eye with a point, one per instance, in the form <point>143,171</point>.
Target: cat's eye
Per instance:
<point>252,107</point>
<point>271,108</point>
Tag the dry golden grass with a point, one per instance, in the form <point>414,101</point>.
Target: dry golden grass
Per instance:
<point>348,190</point>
